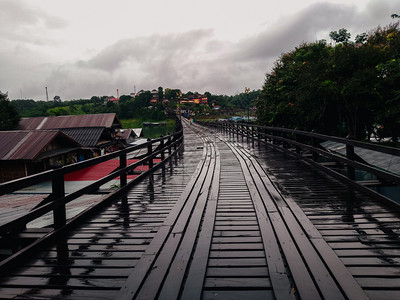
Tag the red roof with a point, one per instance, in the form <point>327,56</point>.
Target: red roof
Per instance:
<point>103,169</point>
<point>97,120</point>
<point>28,145</point>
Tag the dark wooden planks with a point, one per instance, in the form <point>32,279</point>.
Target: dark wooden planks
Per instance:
<point>94,260</point>
<point>362,232</point>
<point>145,283</point>
<point>193,285</point>
<point>237,259</point>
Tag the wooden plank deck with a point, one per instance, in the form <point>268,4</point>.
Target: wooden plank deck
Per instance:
<point>220,224</point>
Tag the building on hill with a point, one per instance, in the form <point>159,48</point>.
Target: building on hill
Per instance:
<point>112,99</point>
<point>154,96</point>
<point>200,99</point>
<point>195,98</point>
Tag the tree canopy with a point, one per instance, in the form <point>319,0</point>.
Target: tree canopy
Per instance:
<point>350,88</point>
<point>9,116</point>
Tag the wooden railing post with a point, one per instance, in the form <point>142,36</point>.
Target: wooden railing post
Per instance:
<point>252,135</point>
<point>284,135</point>
<point>162,149</point>
<point>273,137</point>
<point>58,192</point>
<point>174,140</point>
<point>351,172</point>
<point>122,164</point>
<point>265,137</point>
<point>314,144</point>
<point>150,152</point>
<point>169,145</point>
<point>296,138</point>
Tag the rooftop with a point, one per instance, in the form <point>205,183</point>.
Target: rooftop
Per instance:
<point>95,120</point>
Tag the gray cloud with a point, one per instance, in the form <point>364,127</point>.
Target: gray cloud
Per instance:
<point>193,60</point>
<point>27,24</point>
<point>147,50</point>
<point>293,30</point>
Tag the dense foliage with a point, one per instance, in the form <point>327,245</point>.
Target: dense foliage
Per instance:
<point>128,107</point>
<point>139,107</point>
<point>9,116</point>
<point>350,88</point>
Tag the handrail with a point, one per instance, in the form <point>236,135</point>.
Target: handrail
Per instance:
<point>303,143</point>
<point>58,197</point>
<point>347,141</point>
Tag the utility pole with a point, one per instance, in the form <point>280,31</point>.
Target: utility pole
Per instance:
<point>247,90</point>
<point>47,94</point>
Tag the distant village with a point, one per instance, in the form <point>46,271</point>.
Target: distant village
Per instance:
<point>194,98</point>
<point>47,141</point>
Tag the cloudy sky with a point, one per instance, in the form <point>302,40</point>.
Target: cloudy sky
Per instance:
<point>81,48</point>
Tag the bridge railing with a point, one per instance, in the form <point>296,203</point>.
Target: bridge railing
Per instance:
<point>162,148</point>
<point>308,146</point>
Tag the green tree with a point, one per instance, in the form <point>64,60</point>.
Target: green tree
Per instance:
<point>172,94</point>
<point>323,87</point>
<point>9,116</point>
<point>125,98</point>
<point>341,36</point>
<point>160,93</point>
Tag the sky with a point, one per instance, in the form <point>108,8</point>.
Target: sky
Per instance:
<point>83,48</point>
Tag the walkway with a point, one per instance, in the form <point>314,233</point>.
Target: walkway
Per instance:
<point>224,221</point>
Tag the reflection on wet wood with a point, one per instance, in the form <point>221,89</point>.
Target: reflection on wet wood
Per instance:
<point>218,224</point>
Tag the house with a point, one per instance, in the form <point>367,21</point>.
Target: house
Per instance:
<point>127,136</point>
<point>26,152</point>
<point>200,99</point>
<point>154,96</point>
<point>95,132</point>
<point>112,98</point>
<point>195,98</point>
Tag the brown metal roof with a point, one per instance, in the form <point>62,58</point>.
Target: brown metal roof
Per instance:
<point>88,136</point>
<point>28,145</point>
<point>43,123</point>
<point>123,134</point>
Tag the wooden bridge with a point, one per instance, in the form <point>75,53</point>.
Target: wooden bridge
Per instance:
<point>231,213</point>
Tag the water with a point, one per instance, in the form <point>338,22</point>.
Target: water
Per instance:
<point>156,131</point>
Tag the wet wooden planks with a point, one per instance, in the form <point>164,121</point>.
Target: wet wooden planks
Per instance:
<point>95,260</point>
<point>226,234</point>
<point>237,265</point>
<point>362,232</point>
